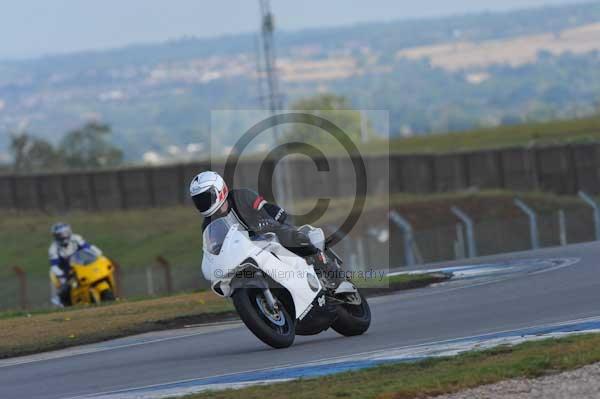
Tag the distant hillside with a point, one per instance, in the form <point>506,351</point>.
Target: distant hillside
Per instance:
<point>432,75</point>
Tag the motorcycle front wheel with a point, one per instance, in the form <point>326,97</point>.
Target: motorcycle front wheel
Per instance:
<point>107,296</point>
<point>353,319</point>
<point>276,329</point>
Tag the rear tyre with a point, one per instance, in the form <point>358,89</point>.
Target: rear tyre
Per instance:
<point>353,320</point>
<point>274,329</point>
<point>107,296</point>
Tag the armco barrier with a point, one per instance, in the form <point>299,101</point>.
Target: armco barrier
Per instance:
<point>361,250</point>
<point>564,169</point>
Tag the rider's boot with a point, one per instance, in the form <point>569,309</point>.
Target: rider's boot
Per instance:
<point>64,294</point>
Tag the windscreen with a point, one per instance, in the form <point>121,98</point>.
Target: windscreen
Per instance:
<point>83,257</point>
<point>215,234</point>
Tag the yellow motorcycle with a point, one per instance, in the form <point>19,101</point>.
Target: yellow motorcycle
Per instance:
<point>92,278</point>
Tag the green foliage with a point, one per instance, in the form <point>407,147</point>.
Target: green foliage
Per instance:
<point>88,148</point>
<point>85,148</point>
<point>326,101</point>
<point>33,154</point>
<point>335,109</point>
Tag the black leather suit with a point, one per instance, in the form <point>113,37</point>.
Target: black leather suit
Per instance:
<point>259,217</point>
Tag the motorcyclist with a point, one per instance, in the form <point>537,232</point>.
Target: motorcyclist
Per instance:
<point>214,200</point>
<point>64,245</point>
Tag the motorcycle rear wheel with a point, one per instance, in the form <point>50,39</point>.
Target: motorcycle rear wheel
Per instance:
<point>353,320</point>
<point>275,330</point>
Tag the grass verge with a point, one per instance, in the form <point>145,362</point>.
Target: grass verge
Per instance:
<point>401,282</point>
<point>25,333</point>
<point>411,281</point>
<point>134,238</point>
<point>435,376</point>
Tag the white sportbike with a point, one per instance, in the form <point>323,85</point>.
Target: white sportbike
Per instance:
<point>276,293</point>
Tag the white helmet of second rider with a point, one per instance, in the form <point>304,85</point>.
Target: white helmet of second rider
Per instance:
<point>209,192</point>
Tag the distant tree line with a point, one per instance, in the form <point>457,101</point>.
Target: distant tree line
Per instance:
<point>87,147</point>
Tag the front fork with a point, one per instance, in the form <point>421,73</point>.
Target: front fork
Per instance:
<point>268,295</point>
<point>270,299</point>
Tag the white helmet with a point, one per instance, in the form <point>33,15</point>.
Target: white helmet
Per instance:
<point>61,233</point>
<point>209,192</point>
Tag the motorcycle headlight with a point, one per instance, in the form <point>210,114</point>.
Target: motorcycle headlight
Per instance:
<point>313,282</point>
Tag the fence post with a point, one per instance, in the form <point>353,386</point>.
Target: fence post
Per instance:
<point>409,237</point>
<point>162,262</point>
<point>353,261</point>
<point>348,252</point>
<point>459,243</point>
<point>594,205</point>
<point>533,225</point>
<point>13,192</point>
<point>150,281</point>
<point>471,244</point>
<point>118,276</point>
<point>562,225</point>
<point>360,254</point>
<point>23,294</point>
<point>121,189</point>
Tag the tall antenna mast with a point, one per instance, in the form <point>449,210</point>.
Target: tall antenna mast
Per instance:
<point>267,29</point>
<point>259,73</point>
<point>273,99</point>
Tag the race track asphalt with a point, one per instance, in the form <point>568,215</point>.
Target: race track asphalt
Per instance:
<point>426,315</point>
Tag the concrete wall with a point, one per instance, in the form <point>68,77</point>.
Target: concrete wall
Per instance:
<point>559,169</point>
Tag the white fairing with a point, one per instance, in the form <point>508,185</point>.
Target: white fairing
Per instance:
<point>227,246</point>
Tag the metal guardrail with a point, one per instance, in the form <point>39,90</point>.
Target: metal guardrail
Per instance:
<point>471,243</point>
<point>409,237</point>
<point>533,222</point>
<point>562,227</point>
<point>594,205</point>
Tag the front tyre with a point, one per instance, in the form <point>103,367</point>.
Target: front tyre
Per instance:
<point>353,319</point>
<point>276,329</point>
<point>107,296</point>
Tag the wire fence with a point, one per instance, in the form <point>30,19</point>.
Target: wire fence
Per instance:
<point>363,252</point>
<point>450,242</point>
<point>139,282</point>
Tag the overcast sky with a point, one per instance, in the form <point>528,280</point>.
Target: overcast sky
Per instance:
<point>30,28</point>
